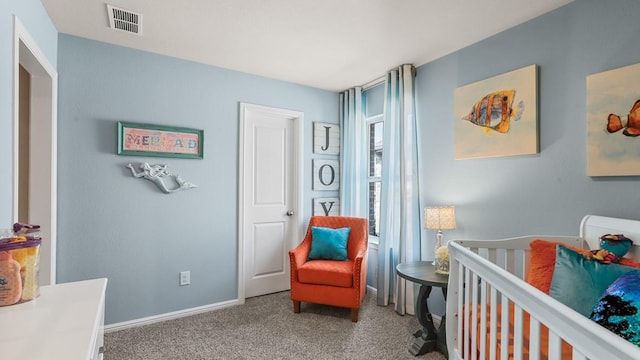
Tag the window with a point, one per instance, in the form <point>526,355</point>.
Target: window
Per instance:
<point>374,131</point>
<point>375,128</point>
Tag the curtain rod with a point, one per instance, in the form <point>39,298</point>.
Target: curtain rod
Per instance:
<point>374,83</point>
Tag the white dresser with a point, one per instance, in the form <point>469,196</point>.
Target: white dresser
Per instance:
<point>65,322</point>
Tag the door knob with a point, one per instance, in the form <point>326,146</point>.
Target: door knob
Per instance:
<point>290,213</point>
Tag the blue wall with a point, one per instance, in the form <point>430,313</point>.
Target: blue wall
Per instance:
<point>546,193</point>
<point>113,225</point>
<point>37,23</point>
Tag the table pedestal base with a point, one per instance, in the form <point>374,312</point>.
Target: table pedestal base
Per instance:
<point>429,338</point>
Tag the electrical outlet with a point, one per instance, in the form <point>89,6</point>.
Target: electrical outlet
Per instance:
<point>185,278</point>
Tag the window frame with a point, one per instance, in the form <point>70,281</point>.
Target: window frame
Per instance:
<point>369,121</point>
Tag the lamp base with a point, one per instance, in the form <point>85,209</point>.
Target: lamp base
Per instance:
<point>438,244</point>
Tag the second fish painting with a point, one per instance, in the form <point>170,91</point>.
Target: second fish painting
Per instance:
<point>497,116</point>
<point>613,122</point>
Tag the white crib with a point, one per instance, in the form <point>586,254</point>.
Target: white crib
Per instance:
<point>492,272</point>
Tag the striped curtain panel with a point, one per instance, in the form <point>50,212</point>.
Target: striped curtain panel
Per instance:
<point>353,152</point>
<point>400,224</point>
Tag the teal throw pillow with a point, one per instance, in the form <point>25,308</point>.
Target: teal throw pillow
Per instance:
<point>579,282</point>
<point>619,307</point>
<point>329,244</point>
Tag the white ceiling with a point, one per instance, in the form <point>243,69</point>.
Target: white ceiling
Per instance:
<point>327,44</point>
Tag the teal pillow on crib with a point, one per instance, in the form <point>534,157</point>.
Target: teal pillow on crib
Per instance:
<point>579,282</point>
<point>328,243</point>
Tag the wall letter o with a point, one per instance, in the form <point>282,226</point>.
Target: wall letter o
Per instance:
<point>321,173</point>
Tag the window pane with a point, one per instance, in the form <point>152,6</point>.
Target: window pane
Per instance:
<point>374,208</point>
<point>376,131</point>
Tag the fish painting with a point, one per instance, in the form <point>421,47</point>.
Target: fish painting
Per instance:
<point>614,122</point>
<point>494,111</point>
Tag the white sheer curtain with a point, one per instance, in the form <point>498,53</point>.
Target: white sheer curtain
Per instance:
<point>400,224</point>
<point>353,164</point>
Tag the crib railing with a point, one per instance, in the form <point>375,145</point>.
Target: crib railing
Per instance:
<point>486,276</point>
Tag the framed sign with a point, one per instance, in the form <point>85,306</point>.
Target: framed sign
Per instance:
<point>326,206</point>
<point>159,140</point>
<point>326,138</point>
<point>326,174</point>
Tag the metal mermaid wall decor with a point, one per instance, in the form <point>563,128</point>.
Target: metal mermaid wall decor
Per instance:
<point>157,174</point>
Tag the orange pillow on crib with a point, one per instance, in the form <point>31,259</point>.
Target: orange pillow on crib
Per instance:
<point>542,261</point>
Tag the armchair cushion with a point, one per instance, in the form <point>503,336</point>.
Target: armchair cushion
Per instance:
<point>327,272</point>
<point>328,243</point>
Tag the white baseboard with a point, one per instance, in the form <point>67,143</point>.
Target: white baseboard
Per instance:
<point>170,316</point>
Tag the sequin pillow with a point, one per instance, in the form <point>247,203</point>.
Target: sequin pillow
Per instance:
<point>618,309</point>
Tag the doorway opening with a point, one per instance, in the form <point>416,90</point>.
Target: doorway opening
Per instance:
<point>35,145</point>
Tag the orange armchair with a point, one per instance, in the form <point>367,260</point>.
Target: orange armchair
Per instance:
<point>330,282</point>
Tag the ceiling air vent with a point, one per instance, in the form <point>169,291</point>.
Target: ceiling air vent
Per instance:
<point>125,20</point>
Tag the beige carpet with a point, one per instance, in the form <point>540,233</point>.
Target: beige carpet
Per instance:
<point>265,327</point>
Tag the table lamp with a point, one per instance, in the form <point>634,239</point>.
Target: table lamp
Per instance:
<point>439,218</point>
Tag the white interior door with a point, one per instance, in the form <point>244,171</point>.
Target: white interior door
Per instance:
<point>269,197</point>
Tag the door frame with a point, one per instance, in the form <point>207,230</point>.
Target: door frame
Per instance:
<point>298,158</point>
<point>43,115</point>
